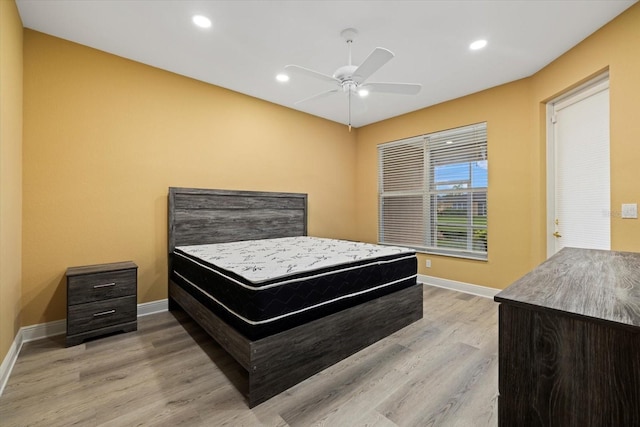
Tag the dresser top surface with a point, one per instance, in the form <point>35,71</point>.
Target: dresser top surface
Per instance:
<point>100,268</point>
<point>586,282</point>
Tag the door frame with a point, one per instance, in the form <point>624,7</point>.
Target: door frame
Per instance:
<point>591,87</point>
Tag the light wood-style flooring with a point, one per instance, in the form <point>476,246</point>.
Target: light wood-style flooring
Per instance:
<point>439,371</point>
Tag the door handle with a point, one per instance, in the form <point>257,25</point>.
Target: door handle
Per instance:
<point>556,234</point>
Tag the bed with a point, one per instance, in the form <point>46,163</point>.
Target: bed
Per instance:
<point>286,319</point>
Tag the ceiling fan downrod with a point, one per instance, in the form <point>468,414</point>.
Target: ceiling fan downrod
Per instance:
<point>348,84</point>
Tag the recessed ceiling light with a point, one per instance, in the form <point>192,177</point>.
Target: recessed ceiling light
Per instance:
<point>282,78</point>
<point>201,21</point>
<point>363,92</point>
<point>478,44</point>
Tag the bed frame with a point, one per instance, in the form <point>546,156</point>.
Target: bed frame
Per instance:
<point>277,362</point>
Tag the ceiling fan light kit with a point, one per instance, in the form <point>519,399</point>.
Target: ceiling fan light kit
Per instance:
<point>352,78</point>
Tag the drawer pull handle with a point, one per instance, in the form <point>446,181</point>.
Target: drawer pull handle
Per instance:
<point>104,313</point>
<point>106,285</point>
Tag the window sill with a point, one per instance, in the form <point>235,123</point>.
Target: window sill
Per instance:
<point>454,254</point>
<point>441,252</point>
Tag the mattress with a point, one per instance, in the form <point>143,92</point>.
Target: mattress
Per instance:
<point>262,287</point>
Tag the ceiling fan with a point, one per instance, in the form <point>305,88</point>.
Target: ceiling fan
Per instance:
<point>351,78</point>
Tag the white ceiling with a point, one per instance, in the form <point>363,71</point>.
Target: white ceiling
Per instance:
<point>251,41</point>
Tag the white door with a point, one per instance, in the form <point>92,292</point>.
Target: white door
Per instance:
<point>579,172</point>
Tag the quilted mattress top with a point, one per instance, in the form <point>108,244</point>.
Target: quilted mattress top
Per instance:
<point>262,260</point>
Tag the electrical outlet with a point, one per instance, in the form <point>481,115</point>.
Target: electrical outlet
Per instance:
<point>630,210</point>
<point>428,263</point>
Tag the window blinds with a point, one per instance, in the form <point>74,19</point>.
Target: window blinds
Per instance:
<point>433,192</point>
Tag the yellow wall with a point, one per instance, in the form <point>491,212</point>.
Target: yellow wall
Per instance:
<point>515,115</point>
<point>10,173</point>
<point>104,139</point>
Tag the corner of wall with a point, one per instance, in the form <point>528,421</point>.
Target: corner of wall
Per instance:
<point>11,79</point>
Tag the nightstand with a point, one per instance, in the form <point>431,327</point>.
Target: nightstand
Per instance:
<point>101,299</point>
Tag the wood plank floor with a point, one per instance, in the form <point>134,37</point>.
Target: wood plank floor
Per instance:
<point>439,371</point>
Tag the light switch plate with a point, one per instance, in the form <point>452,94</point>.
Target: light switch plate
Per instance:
<point>629,210</point>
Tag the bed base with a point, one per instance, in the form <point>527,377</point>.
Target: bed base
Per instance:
<point>278,362</point>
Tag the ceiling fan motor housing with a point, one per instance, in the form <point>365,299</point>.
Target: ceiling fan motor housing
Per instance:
<point>345,73</point>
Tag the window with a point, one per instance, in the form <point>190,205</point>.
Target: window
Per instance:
<point>433,192</point>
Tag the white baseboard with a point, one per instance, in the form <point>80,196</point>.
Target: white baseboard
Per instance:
<point>467,288</point>
<point>50,329</point>
<point>43,330</point>
<point>10,359</point>
<point>147,308</point>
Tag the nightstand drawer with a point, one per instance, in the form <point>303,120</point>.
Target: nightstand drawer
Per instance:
<point>100,314</point>
<point>101,286</point>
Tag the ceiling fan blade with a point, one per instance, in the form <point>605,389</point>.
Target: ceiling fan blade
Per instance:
<point>374,61</point>
<point>399,88</point>
<point>310,73</point>
<point>318,96</point>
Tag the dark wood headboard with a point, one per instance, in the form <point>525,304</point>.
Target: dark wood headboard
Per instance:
<point>201,216</point>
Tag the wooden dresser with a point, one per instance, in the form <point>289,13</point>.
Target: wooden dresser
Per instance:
<point>569,342</point>
<point>101,299</point>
